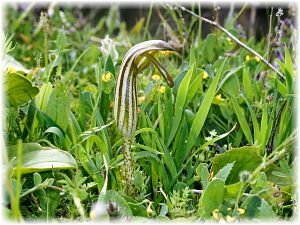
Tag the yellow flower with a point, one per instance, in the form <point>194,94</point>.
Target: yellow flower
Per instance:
<point>155,77</point>
<point>230,219</point>
<point>204,75</point>
<point>106,77</point>
<point>241,211</point>
<point>247,58</point>
<point>218,99</point>
<point>141,100</point>
<point>216,214</point>
<point>257,59</point>
<point>162,89</point>
<point>11,69</point>
<point>139,110</point>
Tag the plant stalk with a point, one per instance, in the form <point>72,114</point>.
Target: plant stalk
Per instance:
<point>128,172</point>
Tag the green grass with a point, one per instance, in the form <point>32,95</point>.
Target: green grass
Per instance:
<point>220,145</point>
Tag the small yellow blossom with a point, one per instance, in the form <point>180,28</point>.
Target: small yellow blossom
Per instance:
<point>141,100</point>
<point>216,214</point>
<point>106,77</point>
<point>218,99</point>
<point>230,219</point>
<point>247,58</point>
<point>241,211</point>
<point>162,89</point>
<point>257,59</point>
<point>139,110</point>
<point>229,209</point>
<point>11,69</point>
<point>204,75</point>
<point>155,77</point>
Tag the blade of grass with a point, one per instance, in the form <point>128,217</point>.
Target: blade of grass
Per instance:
<point>254,121</point>
<point>247,85</point>
<point>203,111</point>
<point>180,102</point>
<point>242,120</point>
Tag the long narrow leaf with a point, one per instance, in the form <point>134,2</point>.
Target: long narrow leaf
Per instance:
<point>180,102</point>
<point>203,110</point>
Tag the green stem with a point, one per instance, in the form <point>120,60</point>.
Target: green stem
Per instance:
<point>40,186</point>
<point>128,168</point>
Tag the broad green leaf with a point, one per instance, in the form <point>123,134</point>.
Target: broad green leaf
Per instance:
<point>180,102</point>
<point>231,86</point>
<point>225,171</point>
<point>209,49</point>
<point>246,159</point>
<point>232,191</point>
<point>212,197</point>
<point>19,89</point>
<point>36,158</point>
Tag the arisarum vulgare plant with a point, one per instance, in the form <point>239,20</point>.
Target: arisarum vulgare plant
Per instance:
<point>125,107</point>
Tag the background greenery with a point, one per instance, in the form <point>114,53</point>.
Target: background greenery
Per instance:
<point>218,146</point>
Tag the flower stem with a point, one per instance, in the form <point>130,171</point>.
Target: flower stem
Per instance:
<point>129,188</point>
